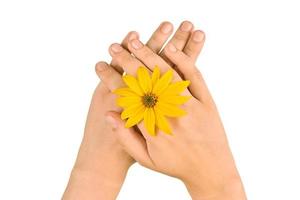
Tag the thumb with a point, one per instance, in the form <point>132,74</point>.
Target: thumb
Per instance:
<point>132,141</point>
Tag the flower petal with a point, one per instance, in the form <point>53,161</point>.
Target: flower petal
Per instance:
<point>128,101</point>
<point>144,79</point>
<point>149,121</point>
<point>155,75</point>
<point>162,122</point>
<point>174,99</point>
<point>133,120</point>
<point>131,110</point>
<point>133,84</point>
<point>176,88</point>
<point>163,82</point>
<point>124,92</point>
<point>170,110</point>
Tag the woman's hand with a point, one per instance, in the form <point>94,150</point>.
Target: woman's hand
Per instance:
<point>198,151</point>
<point>100,152</point>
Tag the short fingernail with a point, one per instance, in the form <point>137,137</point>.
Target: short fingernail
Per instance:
<point>186,26</point>
<point>116,48</point>
<point>112,122</point>
<point>101,66</point>
<point>136,44</point>
<point>132,36</point>
<point>198,36</point>
<point>172,48</point>
<point>166,28</point>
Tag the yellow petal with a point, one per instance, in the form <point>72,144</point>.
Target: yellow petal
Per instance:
<point>162,122</point>
<point>169,109</point>
<point>163,82</point>
<point>124,92</point>
<point>131,110</point>
<point>176,88</point>
<point>155,75</point>
<point>133,84</point>
<point>174,99</point>
<point>128,101</point>
<point>149,121</point>
<point>144,79</point>
<point>133,120</point>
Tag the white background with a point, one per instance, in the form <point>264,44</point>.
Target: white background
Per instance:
<point>48,50</point>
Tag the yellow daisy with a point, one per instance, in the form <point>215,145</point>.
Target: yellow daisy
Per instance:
<point>152,99</point>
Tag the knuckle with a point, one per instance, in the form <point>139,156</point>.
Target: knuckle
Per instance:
<point>147,54</point>
<point>185,60</point>
<point>131,35</point>
<point>189,49</point>
<point>196,73</point>
<point>121,57</point>
<point>180,36</point>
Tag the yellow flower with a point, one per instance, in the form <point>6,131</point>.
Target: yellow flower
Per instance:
<point>151,99</point>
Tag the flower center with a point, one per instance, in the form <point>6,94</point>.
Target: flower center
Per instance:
<point>149,100</point>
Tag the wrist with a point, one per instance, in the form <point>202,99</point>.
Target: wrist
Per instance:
<point>230,189</point>
<point>98,173</point>
<point>97,160</point>
<point>88,185</point>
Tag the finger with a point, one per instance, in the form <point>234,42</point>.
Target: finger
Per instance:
<point>115,65</point>
<point>190,72</point>
<point>133,142</point>
<point>147,56</point>
<point>130,36</point>
<point>194,45</point>
<point>180,38</point>
<point>103,89</point>
<point>160,36</point>
<point>123,58</point>
<point>110,77</point>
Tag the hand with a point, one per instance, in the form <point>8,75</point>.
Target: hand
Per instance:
<point>100,152</point>
<point>198,152</point>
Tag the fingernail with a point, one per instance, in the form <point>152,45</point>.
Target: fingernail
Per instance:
<point>172,48</point>
<point>132,36</point>
<point>186,26</point>
<point>166,28</point>
<point>112,122</point>
<point>116,48</point>
<point>198,36</point>
<point>136,44</point>
<point>101,66</point>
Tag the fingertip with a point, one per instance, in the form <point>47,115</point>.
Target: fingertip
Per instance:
<point>136,44</point>
<point>132,35</point>
<point>115,48</point>
<point>166,27</point>
<point>198,36</point>
<point>100,67</point>
<point>166,22</point>
<point>186,26</point>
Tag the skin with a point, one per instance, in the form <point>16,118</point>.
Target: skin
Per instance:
<point>101,150</point>
<point>198,152</point>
